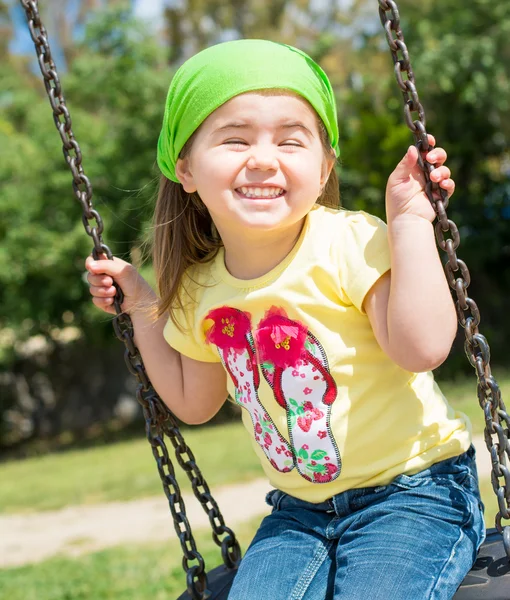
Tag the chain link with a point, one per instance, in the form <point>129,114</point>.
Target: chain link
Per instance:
<point>159,421</point>
<point>457,274</point>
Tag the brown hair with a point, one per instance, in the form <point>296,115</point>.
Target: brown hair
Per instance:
<point>184,233</point>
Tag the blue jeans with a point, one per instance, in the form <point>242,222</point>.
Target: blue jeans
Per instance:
<point>414,539</point>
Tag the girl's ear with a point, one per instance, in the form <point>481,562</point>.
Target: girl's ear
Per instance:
<point>327,166</point>
<point>182,170</point>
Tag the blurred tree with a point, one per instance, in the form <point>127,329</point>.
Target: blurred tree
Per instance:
<point>192,25</point>
<point>5,30</point>
<point>65,21</point>
<point>461,59</point>
<point>115,92</point>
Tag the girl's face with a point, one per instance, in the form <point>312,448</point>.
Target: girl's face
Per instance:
<point>257,163</point>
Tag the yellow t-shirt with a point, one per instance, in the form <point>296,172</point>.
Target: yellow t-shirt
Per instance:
<point>327,409</point>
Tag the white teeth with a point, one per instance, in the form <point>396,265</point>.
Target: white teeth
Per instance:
<point>256,192</point>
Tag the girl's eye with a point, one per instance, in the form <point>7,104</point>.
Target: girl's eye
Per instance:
<point>230,142</point>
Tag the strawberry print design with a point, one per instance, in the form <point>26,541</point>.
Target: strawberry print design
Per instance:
<point>295,365</point>
<point>231,333</point>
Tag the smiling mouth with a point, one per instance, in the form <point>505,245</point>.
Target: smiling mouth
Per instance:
<point>258,195</point>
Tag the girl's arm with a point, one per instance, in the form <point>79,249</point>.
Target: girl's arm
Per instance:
<point>194,391</point>
<point>411,309</point>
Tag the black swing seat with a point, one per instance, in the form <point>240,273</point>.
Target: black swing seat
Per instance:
<point>219,583</point>
<point>489,579</point>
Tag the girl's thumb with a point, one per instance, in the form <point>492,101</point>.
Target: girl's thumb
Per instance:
<point>108,267</point>
<point>406,165</point>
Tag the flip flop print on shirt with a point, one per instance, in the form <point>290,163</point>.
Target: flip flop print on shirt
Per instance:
<point>296,367</point>
<point>231,334</point>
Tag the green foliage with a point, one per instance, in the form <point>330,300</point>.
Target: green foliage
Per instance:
<point>115,92</point>
<point>39,243</point>
<point>461,60</point>
<point>462,65</point>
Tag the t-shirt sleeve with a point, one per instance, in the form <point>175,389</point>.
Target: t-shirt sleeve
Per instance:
<point>190,341</point>
<point>365,255</point>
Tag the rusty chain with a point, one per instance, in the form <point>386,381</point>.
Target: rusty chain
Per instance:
<point>476,347</point>
<point>159,421</point>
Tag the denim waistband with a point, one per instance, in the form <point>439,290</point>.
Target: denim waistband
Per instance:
<point>456,468</point>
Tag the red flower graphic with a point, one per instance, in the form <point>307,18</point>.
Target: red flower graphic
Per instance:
<point>279,340</point>
<point>229,329</point>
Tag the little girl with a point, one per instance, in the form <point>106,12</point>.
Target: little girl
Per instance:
<point>322,324</point>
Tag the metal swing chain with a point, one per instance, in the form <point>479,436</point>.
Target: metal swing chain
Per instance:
<point>476,347</point>
<point>158,419</point>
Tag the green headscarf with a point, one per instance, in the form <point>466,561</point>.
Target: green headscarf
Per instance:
<point>212,77</point>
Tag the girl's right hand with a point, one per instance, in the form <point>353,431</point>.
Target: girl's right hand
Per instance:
<point>102,274</point>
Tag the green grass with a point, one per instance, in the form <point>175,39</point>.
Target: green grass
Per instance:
<point>127,470</point>
<point>122,471</point>
<point>135,572</point>
<point>462,395</point>
<point>148,572</point>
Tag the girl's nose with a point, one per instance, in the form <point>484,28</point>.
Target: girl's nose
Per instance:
<point>262,158</point>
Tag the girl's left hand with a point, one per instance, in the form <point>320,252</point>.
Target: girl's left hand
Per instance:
<point>405,192</point>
